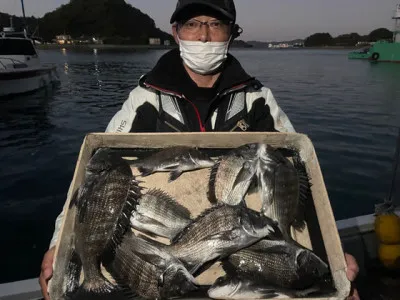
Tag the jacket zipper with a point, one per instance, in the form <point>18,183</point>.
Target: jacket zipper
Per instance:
<point>202,127</point>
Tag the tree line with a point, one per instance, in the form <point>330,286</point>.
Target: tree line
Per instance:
<point>351,39</point>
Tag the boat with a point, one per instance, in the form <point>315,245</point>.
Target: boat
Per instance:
<point>383,51</point>
<point>21,70</point>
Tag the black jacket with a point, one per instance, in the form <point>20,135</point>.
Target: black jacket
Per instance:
<point>168,100</point>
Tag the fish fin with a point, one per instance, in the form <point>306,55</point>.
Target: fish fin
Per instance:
<point>124,291</point>
<point>240,287</point>
<point>174,175</point>
<point>244,175</point>
<point>305,195</point>
<point>267,184</point>
<point>73,273</point>
<point>211,183</point>
<point>165,197</point>
<point>203,266</point>
<point>145,171</point>
<point>229,268</point>
<point>89,290</point>
<point>151,241</point>
<point>150,226</point>
<point>194,268</point>
<point>123,223</point>
<point>278,249</point>
<point>116,294</point>
<point>254,186</point>
<point>148,251</point>
<point>74,199</point>
<point>145,220</point>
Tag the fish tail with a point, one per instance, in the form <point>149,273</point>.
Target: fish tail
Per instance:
<point>98,286</point>
<point>145,171</point>
<point>73,273</point>
<point>174,175</point>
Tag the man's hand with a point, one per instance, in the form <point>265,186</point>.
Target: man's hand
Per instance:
<point>352,272</point>
<point>46,271</point>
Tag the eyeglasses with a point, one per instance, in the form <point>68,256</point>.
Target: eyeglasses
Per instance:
<point>194,26</point>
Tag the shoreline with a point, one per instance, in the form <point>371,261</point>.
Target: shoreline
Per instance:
<point>109,47</point>
<point>104,47</point>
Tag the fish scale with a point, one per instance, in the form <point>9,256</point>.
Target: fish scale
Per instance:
<point>278,263</point>
<point>106,195</point>
<point>280,188</point>
<point>143,268</point>
<point>217,233</point>
<point>231,176</point>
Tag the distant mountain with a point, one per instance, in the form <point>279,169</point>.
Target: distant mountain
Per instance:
<point>115,21</point>
<point>241,44</point>
<point>350,39</point>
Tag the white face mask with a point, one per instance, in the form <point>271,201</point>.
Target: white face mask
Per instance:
<point>203,58</point>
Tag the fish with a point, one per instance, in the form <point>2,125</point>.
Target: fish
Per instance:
<point>280,188</point>
<point>175,160</point>
<point>241,287</point>
<point>159,214</point>
<point>144,269</point>
<point>103,205</point>
<point>217,233</point>
<point>279,263</point>
<point>232,175</point>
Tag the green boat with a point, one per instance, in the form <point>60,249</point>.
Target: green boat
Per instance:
<point>383,51</point>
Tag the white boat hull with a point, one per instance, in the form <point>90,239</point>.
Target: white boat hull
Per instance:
<point>24,81</point>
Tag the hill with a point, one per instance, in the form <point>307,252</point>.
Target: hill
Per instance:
<point>115,21</point>
<point>351,39</point>
<point>18,22</point>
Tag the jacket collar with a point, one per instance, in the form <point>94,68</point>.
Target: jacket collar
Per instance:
<point>169,75</point>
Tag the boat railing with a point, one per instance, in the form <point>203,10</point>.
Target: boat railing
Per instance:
<point>5,61</point>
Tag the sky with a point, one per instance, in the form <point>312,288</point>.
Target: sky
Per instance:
<point>263,20</point>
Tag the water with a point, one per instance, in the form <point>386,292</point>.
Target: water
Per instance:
<point>350,110</point>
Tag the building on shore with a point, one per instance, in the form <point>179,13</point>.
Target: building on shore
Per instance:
<point>64,39</point>
<point>154,41</point>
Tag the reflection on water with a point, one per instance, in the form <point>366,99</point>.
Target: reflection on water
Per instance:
<point>350,110</point>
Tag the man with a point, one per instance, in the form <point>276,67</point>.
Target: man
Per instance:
<point>198,87</point>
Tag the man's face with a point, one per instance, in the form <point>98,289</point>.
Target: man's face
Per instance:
<point>202,28</point>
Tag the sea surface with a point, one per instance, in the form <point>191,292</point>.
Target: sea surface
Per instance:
<point>350,109</point>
